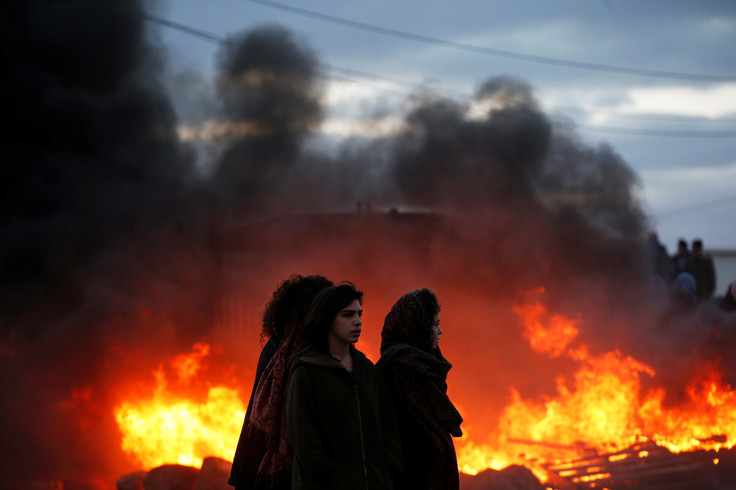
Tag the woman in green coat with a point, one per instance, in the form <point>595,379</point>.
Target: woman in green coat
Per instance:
<point>341,422</point>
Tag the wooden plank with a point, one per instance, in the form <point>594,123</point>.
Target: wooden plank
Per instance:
<point>651,460</point>
<point>608,470</point>
<point>650,472</point>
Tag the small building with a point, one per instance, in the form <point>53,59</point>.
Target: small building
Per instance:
<point>725,265</point>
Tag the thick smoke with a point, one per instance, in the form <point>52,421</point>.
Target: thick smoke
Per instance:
<point>115,247</point>
<point>450,160</point>
<point>554,207</point>
<point>270,97</point>
<point>90,156</point>
<point>92,173</point>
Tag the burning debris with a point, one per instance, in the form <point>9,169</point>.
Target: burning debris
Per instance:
<point>118,256</point>
<point>640,466</point>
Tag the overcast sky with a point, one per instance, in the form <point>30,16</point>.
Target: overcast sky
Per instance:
<point>656,80</point>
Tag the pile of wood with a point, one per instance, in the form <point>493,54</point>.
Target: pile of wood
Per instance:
<point>643,465</point>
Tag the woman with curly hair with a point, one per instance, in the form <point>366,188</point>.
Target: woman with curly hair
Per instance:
<point>263,455</point>
<point>416,374</point>
<point>341,422</point>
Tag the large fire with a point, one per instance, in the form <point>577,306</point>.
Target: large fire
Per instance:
<point>604,407</point>
<point>171,429</point>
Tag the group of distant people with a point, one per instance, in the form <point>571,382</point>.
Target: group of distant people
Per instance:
<point>323,416</point>
<point>689,274</point>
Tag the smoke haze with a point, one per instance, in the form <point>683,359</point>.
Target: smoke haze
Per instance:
<point>117,245</point>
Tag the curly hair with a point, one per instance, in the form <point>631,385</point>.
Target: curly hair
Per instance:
<point>290,303</point>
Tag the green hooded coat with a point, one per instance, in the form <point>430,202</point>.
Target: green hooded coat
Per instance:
<point>342,425</point>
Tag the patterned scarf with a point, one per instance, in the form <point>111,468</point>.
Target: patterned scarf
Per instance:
<point>268,416</point>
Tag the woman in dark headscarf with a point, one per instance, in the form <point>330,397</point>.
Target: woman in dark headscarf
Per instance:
<point>416,374</point>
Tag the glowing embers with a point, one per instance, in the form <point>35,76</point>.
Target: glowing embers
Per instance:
<point>175,428</point>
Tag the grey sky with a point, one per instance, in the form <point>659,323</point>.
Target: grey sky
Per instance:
<point>679,135</point>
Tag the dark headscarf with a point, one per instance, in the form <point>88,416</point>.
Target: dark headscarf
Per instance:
<point>406,339</point>
<point>410,321</point>
<point>417,378</point>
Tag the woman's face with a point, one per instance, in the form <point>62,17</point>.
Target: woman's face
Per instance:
<point>436,331</point>
<point>347,324</point>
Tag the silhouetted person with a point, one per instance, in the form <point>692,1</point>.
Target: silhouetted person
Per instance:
<point>341,420</point>
<point>683,298</point>
<point>416,374</point>
<point>728,302</point>
<point>701,267</point>
<point>659,260</point>
<point>263,455</point>
<point>680,258</point>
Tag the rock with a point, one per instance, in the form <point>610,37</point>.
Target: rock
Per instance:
<point>514,477</point>
<point>131,481</point>
<point>214,474</point>
<point>171,477</point>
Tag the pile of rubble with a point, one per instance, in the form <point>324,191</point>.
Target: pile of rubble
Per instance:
<point>215,471</point>
<point>642,466</point>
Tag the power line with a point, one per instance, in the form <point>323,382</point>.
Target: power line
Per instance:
<point>413,85</point>
<point>214,38</point>
<point>189,30</point>
<point>492,51</point>
<point>453,93</point>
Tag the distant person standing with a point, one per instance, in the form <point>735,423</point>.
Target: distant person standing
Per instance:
<point>659,259</point>
<point>728,302</point>
<point>701,267</point>
<point>682,293</point>
<point>680,258</point>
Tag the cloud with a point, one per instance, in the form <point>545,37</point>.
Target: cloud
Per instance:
<point>363,128</point>
<point>673,188</point>
<point>711,102</point>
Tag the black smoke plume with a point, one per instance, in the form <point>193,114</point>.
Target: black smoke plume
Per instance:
<point>270,98</point>
<point>92,175</point>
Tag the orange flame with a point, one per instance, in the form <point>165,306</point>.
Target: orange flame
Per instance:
<point>170,429</point>
<point>548,334</point>
<point>603,408</point>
